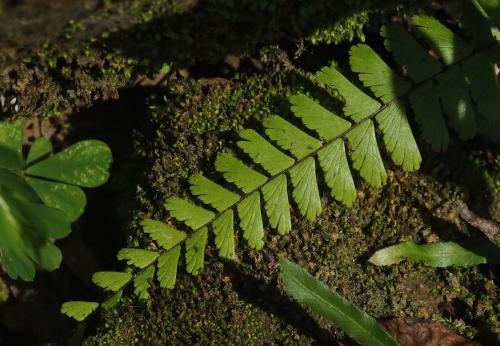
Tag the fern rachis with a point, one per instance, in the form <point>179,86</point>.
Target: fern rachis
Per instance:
<point>429,86</point>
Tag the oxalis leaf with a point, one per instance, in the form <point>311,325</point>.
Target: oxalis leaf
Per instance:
<point>441,254</point>
<point>314,294</point>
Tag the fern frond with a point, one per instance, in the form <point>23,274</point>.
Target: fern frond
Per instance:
<point>458,89</point>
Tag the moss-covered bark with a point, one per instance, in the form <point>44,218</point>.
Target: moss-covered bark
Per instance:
<point>241,302</point>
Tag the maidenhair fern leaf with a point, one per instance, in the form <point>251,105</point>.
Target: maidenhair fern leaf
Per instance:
<point>112,281</point>
<point>366,156</point>
<point>450,47</point>
<point>275,194</point>
<point>137,257</point>
<point>358,105</point>
<point>163,234</point>
<point>316,117</point>
<point>251,220</point>
<point>263,152</point>
<point>409,53</point>
<point>305,191</point>
<point>237,172</point>
<point>167,267</point>
<point>224,234</point>
<point>11,145</point>
<point>289,137</point>
<point>79,310</point>
<point>211,193</point>
<point>398,137</point>
<point>457,103</point>
<point>142,281</point>
<point>484,86</point>
<point>195,251</point>
<point>333,161</point>
<point>427,108</point>
<point>192,215</point>
<point>375,74</point>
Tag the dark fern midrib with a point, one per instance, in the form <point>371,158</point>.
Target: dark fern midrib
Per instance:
<point>414,85</point>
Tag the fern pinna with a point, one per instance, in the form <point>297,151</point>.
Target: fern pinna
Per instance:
<point>445,79</point>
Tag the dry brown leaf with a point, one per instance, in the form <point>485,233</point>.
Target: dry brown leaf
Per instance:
<point>410,331</point>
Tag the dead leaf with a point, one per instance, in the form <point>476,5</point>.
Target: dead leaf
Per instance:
<point>410,331</point>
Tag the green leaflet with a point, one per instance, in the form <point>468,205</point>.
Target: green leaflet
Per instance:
<point>457,103</point>
<point>484,86</point>
<point>15,257</point>
<point>409,53</point>
<point>289,137</point>
<point>40,149</point>
<point>137,257</point>
<point>195,251</point>
<point>375,74</point>
<point>333,161</point>
<point>237,172</point>
<point>85,164</point>
<point>262,152</point>
<point>11,145</point>
<point>166,236</point>
<point>167,267</point>
<point>251,220</point>
<point>224,234</point>
<point>79,310</point>
<point>441,254</point>
<point>314,294</point>
<point>366,156</point>
<point>475,20</point>
<point>112,281</point>
<point>317,118</point>
<point>192,215</point>
<point>427,108</point>
<point>211,193</point>
<point>68,198</point>
<point>305,191</point>
<point>275,195</point>
<point>142,281</point>
<point>398,137</point>
<point>17,186</point>
<point>358,105</point>
<point>445,42</point>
